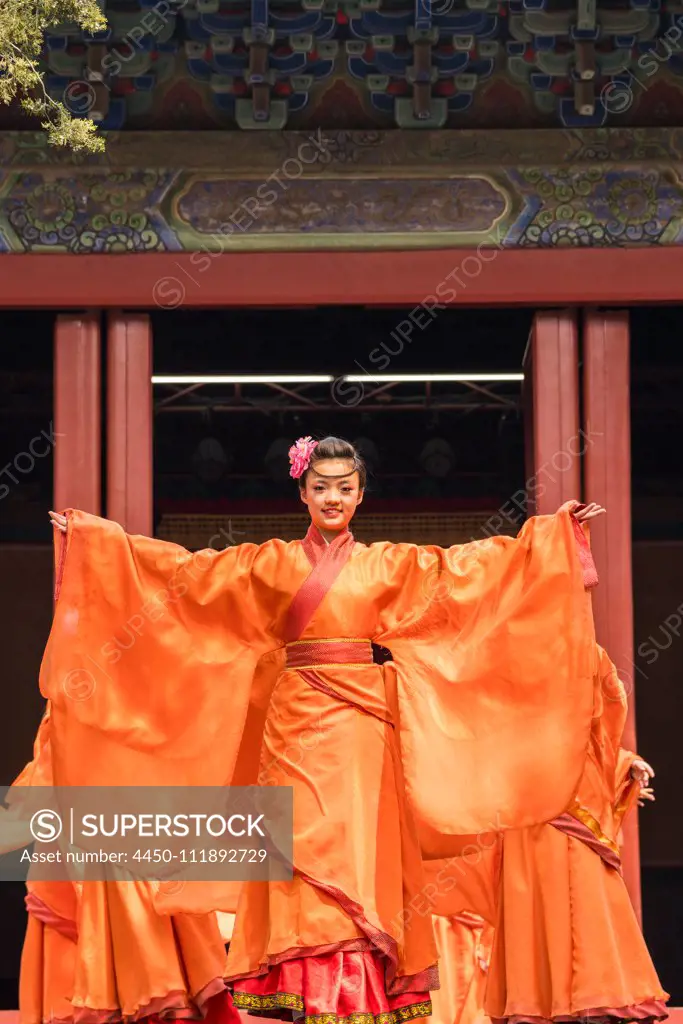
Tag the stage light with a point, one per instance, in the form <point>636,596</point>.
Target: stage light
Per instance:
<point>437,458</point>
<point>369,450</point>
<point>277,459</point>
<point>210,460</point>
<point>273,378</point>
<point>432,378</point>
<point>351,378</point>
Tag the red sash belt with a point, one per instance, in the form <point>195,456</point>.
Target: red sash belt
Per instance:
<point>305,653</point>
<point>572,826</point>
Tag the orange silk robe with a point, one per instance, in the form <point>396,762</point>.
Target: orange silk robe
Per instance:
<point>464,946</point>
<point>169,668</point>
<point>567,941</point>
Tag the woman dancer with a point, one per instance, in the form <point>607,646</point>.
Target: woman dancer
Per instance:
<point>567,943</point>
<point>393,687</point>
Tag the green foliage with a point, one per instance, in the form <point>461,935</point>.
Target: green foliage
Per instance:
<point>22,24</point>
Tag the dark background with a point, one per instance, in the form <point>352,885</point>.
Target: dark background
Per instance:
<point>488,466</point>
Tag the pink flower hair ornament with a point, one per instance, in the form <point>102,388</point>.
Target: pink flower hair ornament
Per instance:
<point>300,456</point>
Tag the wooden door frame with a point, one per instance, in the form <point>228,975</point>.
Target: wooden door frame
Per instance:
<point>536,278</point>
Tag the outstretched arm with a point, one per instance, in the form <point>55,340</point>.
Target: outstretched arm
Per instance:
<point>168,562</point>
<point>156,640</point>
<point>592,510</point>
<point>58,521</point>
<point>493,641</point>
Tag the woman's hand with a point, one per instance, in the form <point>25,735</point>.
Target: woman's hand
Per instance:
<point>589,511</point>
<point>58,521</point>
<point>642,772</point>
<point>646,793</point>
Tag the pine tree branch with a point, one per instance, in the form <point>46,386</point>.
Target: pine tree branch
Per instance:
<point>22,28</point>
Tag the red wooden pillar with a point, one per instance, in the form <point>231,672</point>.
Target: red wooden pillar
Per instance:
<point>608,481</point>
<point>554,443</point>
<point>77,382</point>
<point>129,421</point>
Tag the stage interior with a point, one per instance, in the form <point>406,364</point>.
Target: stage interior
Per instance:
<point>445,448</point>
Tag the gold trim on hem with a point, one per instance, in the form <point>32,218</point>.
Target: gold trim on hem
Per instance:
<point>398,1016</point>
<point>292,1001</point>
<point>583,815</point>
<point>273,1001</point>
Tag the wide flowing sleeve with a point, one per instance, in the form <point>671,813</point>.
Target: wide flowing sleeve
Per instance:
<point>627,789</point>
<point>150,660</point>
<point>38,771</point>
<point>614,761</point>
<point>14,821</point>
<point>494,649</point>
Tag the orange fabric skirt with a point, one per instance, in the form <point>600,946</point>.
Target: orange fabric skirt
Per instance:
<point>339,939</point>
<point>346,912</point>
<point>567,942</point>
<point>463,943</point>
<point>121,960</point>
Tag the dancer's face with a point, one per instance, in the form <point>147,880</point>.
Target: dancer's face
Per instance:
<point>332,493</point>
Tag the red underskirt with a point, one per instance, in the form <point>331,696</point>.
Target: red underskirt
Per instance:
<point>220,1009</point>
<point>329,989</point>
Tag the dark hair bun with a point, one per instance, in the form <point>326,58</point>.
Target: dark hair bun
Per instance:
<point>337,448</point>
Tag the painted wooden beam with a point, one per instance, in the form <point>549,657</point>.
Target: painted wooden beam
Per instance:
<point>499,277</point>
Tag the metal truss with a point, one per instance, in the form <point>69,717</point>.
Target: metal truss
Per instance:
<point>342,395</point>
